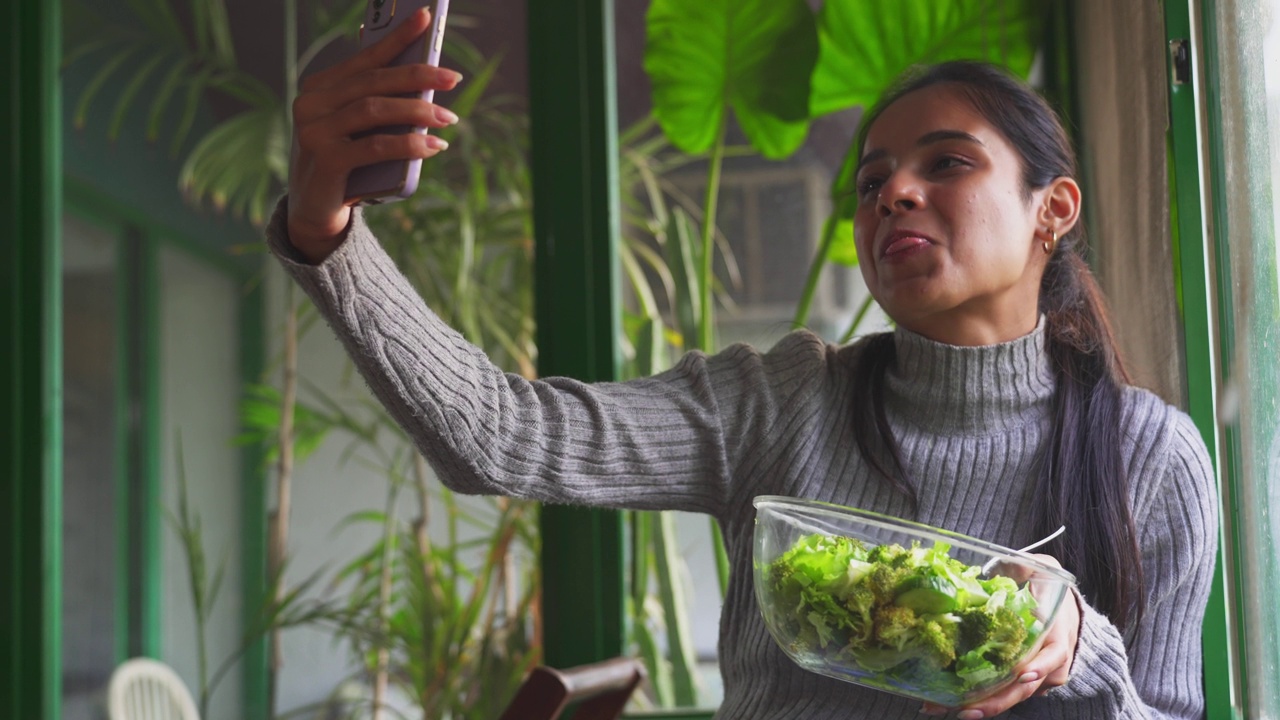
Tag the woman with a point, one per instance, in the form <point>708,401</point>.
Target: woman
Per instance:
<point>997,408</point>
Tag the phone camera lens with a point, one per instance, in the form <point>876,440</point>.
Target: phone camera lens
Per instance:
<point>377,15</point>
<point>378,3</point>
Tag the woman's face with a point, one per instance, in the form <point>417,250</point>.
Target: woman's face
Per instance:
<point>946,240</point>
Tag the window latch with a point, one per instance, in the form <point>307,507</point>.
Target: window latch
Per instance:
<point>1180,59</point>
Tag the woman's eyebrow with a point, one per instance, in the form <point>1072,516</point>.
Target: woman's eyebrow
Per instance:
<point>940,135</point>
<point>928,138</point>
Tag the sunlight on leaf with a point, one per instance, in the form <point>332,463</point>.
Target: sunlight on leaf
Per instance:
<point>237,164</point>
<point>865,45</point>
<point>754,56</point>
<point>843,250</point>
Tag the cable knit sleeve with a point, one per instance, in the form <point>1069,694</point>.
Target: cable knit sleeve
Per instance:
<point>1155,669</point>
<point>665,442</point>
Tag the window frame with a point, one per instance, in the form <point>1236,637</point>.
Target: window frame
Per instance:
<point>30,387</point>
<point>1191,270</point>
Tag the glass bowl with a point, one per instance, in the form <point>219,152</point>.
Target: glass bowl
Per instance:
<point>899,606</point>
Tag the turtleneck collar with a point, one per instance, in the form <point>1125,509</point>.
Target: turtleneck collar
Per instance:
<point>972,391</point>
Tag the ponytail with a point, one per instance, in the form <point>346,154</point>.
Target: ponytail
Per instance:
<point>1083,483</point>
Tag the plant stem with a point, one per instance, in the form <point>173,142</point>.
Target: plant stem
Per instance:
<point>815,271</point>
<point>722,557</point>
<point>384,604</point>
<point>671,591</point>
<point>857,319</point>
<point>278,549</point>
<point>705,322</point>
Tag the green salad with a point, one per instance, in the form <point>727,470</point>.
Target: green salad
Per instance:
<point>910,616</point>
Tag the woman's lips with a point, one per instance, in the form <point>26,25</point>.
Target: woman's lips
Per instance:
<point>900,244</point>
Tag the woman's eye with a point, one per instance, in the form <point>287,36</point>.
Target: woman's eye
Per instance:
<point>948,162</point>
<point>867,186</point>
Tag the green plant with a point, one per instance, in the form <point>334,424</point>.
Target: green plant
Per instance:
<point>291,610</point>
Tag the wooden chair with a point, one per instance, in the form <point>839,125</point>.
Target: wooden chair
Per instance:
<point>144,689</point>
<point>601,690</point>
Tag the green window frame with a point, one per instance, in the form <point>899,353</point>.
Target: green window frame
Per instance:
<point>30,402</point>
<point>1191,272</point>
<point>574,142</point>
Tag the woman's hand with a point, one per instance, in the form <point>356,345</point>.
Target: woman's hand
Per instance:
<point>1049,668</point>
<point>335,104</point>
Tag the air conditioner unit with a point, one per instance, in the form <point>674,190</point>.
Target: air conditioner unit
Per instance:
<point>772,216</point>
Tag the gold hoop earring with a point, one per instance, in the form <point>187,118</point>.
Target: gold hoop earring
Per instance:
<point>1050,244</point>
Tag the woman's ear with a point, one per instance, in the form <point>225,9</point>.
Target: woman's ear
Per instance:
<point>1061,207</point>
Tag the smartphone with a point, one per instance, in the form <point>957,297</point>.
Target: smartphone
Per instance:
<point>396,179</point>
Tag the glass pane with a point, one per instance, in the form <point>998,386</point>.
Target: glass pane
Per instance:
<point>90,571</point>
<point>199,377</point>
<point>1249,31</point>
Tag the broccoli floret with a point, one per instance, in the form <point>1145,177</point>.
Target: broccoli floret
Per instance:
<point>939,637</point>
<point>894,555</point>
<point>883,581</point>
<point>861,603</point>
<point>896,626</point>
<point>993,634</point>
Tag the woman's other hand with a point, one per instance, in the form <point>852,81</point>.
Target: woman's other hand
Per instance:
<point>1050,668</point>
<point>357,95</point>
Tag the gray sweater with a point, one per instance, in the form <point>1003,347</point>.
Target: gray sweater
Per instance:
<point>714,432</point>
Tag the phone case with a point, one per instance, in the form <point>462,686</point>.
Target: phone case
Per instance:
<point>396,180</point>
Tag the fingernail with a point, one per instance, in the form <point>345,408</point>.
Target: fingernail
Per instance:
<point>437,143</point>
<point>970,715</point>
<point>446,116</point>
<point>1027,677</point>
<point>455,76</point>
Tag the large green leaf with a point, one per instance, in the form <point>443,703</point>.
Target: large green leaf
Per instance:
<point>866,44</point>
<point>754,56</point>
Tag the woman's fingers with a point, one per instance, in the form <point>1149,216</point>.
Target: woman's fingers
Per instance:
<point>332,116</point>
<point>401,80</point>
<point>376,55</point>
<point>376,112</point>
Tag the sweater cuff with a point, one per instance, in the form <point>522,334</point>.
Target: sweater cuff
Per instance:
<point>280,245</point>
<point>1100,666</point>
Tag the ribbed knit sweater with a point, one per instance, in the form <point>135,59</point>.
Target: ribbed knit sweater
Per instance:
<point>714,432</point>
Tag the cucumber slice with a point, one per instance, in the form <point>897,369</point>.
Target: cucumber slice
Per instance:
<point>927,594</point>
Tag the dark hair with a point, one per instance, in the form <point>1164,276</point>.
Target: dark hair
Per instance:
<point>1082,479</point>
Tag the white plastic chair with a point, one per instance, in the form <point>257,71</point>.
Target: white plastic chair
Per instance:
<point>144,689</point>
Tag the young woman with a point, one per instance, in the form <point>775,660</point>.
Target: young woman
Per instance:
<point>998,407</point>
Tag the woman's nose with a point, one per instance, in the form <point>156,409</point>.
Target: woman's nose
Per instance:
<point>900,193</point>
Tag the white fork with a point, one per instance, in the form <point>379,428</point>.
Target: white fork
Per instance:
<point>991,563</point>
